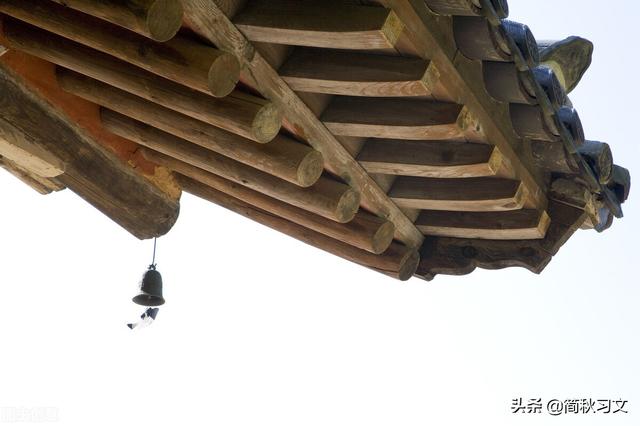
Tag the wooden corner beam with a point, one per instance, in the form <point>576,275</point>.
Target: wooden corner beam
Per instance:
<point>91,171</point>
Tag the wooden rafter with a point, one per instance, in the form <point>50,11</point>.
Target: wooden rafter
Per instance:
<point>208,19</point>
<point>433,37</point>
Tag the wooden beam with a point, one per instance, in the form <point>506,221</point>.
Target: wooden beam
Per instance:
<point>325,24</point>
<point>397,261</point>
<point>91,171</point>
<point>365,231</point>
<point>439,159</point>
<point>185,61</point>
<point>39,184</point>
<point>283,157</point>
<point>246,115</point>
<point>433,38</point>
<point>159,20</point>
<point>356,74</point>
<point>524,224</point>
<point>461,256</point>
<point>470,194</point>
<point>209,21</point>
<point>326,198</point>
<point>412,119</point>
<point>3,50</point>
<point>17,147</point>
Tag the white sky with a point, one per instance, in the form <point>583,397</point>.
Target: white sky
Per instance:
<point>260,329</point>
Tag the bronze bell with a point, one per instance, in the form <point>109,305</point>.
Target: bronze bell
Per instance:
<point>150,289</point>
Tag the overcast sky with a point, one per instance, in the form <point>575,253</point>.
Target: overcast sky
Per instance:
<point>261,329</point>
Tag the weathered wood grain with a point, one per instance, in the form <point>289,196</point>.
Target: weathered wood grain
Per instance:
<point>412,119</point>
<point>326,198</point>
<point>283,157</point>
<point>355,74</point>
<point>319,24</point>
<point>39,184</point>
<point>17,147</point>
<point>92,172</point>
<point>246,115</point>
<point>433,38</point>
<point>523,224</point>
<point>295,163</point>
<point>469,194</point>
<point>460,256</point>
<point>438,159</point>
<point>159,20</point>
<point>185,61</point>
<point>208,20</point>
<point>365,231</point>
<point>397,261</point>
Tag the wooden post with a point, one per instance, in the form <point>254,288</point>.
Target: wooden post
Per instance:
<point>283,157</point>
<point>246,115</point>
<point>159,20</point>
<point>91,171</point>
<point>365,231</point>
<point>182,60</point>
<point>397,261</point>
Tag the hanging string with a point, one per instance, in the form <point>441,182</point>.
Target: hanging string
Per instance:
<point>153,262</point>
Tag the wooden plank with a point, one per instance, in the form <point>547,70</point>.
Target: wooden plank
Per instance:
<point>185,61</point>
<point>526,224</point>
<point>39,184</point>
<point>283,157</point>
<point>240,113</point>
<point>17,147</point>
<point>412,119</point>
<point>438,159</point>
<point>366,231</point>
<point>460,256</point>
<point>92,172</point>
<point>432,36</point>
<point>469,194</point>
<point>159,20</point>
<point>397,261</point>
<point>325,24</point>
<point>326,198</point>
<point>355,74</point>
<point>208,20</point>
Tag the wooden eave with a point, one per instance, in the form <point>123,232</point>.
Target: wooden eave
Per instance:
<point>378,131</point>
